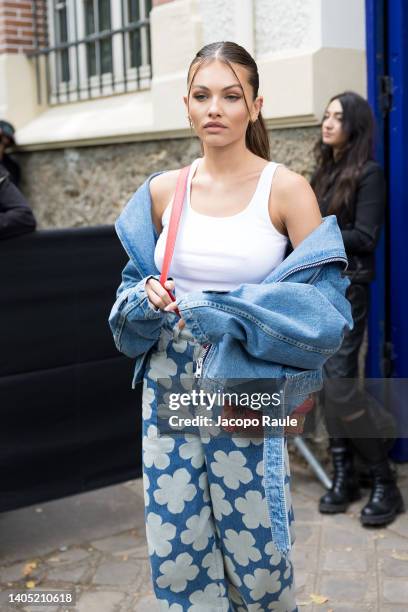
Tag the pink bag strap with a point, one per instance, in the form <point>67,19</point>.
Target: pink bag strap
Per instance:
<point>173,226</point>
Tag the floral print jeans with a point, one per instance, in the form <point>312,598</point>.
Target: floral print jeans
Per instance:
<point>207,522</point>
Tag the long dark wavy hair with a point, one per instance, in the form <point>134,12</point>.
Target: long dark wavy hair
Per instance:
<point>256,137</point>
<point>341,175</point>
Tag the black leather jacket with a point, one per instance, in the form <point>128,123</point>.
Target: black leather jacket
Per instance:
<point>360,236</point>
<point>16,216</point>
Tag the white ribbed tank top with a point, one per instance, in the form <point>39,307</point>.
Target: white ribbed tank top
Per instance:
<point>220,253</point>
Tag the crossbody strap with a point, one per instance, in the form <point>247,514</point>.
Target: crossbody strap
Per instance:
<point>173,226</point>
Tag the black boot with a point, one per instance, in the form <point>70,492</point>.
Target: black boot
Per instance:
<point>385,500</point>
<point>345,488</point>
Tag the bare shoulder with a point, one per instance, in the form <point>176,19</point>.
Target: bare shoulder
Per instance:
<point>162,188</point>
<point>163,185</point>
<point>287,183</point>
<point>296,204</point>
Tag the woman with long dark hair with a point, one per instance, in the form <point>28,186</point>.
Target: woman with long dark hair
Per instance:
<point>218,510</point>
<point>349,183</point>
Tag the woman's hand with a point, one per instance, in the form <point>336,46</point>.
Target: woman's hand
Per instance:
<point>159,297</point>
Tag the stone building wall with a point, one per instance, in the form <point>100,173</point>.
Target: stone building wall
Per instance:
<point>85,186</point>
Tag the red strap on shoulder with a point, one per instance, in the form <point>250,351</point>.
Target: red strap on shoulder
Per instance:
<point>173,226</point>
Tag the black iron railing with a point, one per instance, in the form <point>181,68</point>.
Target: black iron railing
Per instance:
<point>100,63</point>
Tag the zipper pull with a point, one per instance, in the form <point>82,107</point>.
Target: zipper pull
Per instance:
<point>199,367</point>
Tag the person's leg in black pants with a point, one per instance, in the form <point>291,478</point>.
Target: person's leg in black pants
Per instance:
<point>351,428</point>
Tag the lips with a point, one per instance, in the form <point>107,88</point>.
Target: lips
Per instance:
<point>214,124</point>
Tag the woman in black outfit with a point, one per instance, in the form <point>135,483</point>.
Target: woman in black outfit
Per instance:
<point>349,183</point>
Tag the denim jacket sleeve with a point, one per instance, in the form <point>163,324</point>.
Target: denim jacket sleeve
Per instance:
<point>291,323</point>
<point>134,321</point>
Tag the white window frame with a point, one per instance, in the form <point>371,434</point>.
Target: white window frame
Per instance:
<point>93,90</point>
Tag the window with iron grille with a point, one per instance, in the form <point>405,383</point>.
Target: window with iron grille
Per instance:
<point>97,48</point>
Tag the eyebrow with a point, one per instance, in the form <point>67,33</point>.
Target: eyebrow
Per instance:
<point>223,89</point>
<point>336,113</point>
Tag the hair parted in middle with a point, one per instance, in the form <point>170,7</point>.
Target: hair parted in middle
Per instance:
<point>256,137</point>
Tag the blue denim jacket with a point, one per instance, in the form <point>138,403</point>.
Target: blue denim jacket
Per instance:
<point>283,328</point>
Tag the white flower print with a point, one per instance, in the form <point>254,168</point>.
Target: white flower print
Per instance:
<point>175,490</point>
<point>288,571</point>
<point>147,400</point>
<point>158,535</point>
<point>180,346</point>
<point>260,468</point>
<point>166,607</point>
<point>241,546</point>
<point>254,509</point>
<point>162,367</point>
<point>244,442</point>
<point>261,582</point>
<point>155,449</point>
<point>146,485</point>
<point>230,571</point>
<point>175,574</point>
<point>186,377</point>
<point>213,561</point>
<point>221,506</point>
<point>193,450</point>
<point>231,468</point>
<point>256,607</point>
<point>203,484</point>
<point>274,554</point>
<point>200,529</point>
<point>286,598</point>
<point>208,599</point>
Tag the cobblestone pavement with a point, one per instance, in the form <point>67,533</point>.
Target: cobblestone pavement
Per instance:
<point>95,543</point>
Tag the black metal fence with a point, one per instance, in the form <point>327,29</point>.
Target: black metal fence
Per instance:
<point>96,48</point>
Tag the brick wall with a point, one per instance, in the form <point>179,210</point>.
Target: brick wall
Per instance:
<point>21,23</point>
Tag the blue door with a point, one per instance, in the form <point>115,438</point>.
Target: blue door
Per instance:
<point>387,65</point>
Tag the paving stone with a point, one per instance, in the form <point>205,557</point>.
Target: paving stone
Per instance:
<point>131,572</point>
<point>123,543</point>
<point>140,552</point>
<point>304,582</point>
<point>69,521</point>
<point>307,534</point>
<point>344,560</point>
<point>306,514</point>
<point>41,608</point>
<point>148,602</point>
<point>400,526</point>
<point>345,588</point>
<point>304,557</point>
<point>339,537</point>
<point>395,590</point>
<point>369,607</point>
<point>333,555</point>
<point>389,541</point>
<point>12,573</point>
<point>70,556</point>
<point>344,520</point>
<point>4,597</point>
<point>393,563</point>
<point>72,573</point>
<point>99,601</point>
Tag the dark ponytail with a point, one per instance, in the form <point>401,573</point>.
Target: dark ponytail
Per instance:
<point>256,137</point>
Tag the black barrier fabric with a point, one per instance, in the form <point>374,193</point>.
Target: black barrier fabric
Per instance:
<point>70,421</point>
